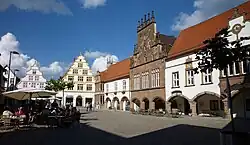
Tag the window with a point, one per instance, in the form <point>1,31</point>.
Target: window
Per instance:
<point>12,81</point>
<point>30,78</point>
<point>189,77</point>
<point>124,84</point>
<point>157,84</point>
<point>207,77</point>
<point>107,87</point>
<point>147,80</point>
<point>80,65</point>
<point>25,84</point>
<point>33,72</point>
<point>237,68</point>
<point>214,105</point>
<point>175,81</point>
<point>89,79</point>
<point>75,71</point>
<point>155,78</point>
<point>143,81</point>
<point>89,87</point>
<point>70,78</point>
<point>234,69</point>
<point>116,86</point>
<point>80,87</point>
<point>80,78</point>
<point>245,66</point>
<point>84,72</point>
<point>33,85</point>
<point>37,78</point>
<point>137,82</point>
<point>41,85</point>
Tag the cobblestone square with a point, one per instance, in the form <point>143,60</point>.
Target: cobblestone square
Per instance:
<point>109,127</point>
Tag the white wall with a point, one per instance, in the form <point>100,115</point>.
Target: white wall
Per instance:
<point>245,32</point>
<point>39,84</point>
<point>119,90</point>
<point>191,91</point>
<point>75,92</point>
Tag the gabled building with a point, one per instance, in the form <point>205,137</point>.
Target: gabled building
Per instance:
<point>116,86</point>
<point>147,69</point>
<point>99,89</point>
<point>13,81</point>
<point>84,85</point>
<point>33,78</point>
<point>203,93</point>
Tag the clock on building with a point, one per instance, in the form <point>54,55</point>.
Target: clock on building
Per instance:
<point>236,28</point>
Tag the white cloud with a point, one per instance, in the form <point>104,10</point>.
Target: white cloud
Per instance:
<point>204,9</point>
<point>93,3</point>
<point>94,54</point>
<point>100,63</point>
<point>45,6</point>
<point>9,43</point>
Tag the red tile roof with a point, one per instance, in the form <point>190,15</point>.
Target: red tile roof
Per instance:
<point>191,39</point>
<point>116,71</point>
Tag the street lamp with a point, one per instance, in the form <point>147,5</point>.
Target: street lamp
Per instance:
<point>8,80</point>
<point>15,79</point>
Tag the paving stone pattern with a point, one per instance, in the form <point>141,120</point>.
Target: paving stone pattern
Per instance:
<point>122,128</point>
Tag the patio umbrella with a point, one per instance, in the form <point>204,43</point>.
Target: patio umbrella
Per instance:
<point>24,94</point>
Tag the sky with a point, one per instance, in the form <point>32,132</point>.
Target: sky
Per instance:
<point>54,32</point>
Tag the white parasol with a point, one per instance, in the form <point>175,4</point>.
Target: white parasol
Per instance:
<point>24,94</point>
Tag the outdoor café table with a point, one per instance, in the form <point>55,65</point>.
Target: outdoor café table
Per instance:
<point>14,120</point>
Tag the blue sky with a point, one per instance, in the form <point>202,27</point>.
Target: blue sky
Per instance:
<point>50,32</point>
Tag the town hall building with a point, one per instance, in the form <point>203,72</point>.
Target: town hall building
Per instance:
<point>147,66</point>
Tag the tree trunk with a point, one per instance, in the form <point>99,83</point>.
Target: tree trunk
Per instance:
<point>63,98</point>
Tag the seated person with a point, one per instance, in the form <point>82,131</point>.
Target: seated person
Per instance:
<point>7,112</point>
<point>20,113</point>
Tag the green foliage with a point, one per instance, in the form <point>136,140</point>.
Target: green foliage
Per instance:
<point>58,85</point>
<point>218,52</point>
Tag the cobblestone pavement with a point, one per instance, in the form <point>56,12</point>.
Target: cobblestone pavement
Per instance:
<point>122,128</point>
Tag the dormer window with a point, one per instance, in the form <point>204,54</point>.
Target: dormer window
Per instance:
<point>33,72</point>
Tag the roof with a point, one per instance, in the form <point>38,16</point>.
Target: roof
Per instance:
<point>169,40</point>
<point>191,39</point>
<point>116,71</point>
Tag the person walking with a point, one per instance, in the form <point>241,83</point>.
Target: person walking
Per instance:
<point>87,105</point>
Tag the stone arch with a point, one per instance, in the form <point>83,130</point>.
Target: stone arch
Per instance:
<point>125,103</point>
<point>116,103</point>
<point>180,102</point>
<point>205,93</point>
<point>209,103</point>
<point>108,102</point>
<point>241,103</point>
<point>135,104</point>
<point>145,102</point>
<point>159,103</point>
<point>175,96</point>
<point>79,101</point>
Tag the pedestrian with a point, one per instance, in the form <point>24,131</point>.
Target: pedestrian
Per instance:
<point>87,105</point>
<point>90,106</point>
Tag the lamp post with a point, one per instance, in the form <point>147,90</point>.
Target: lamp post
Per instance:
<point>15,79</point>
<point>8,80</point>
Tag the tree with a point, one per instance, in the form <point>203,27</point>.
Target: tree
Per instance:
<point>58,85</point>
<point>219,53</point>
